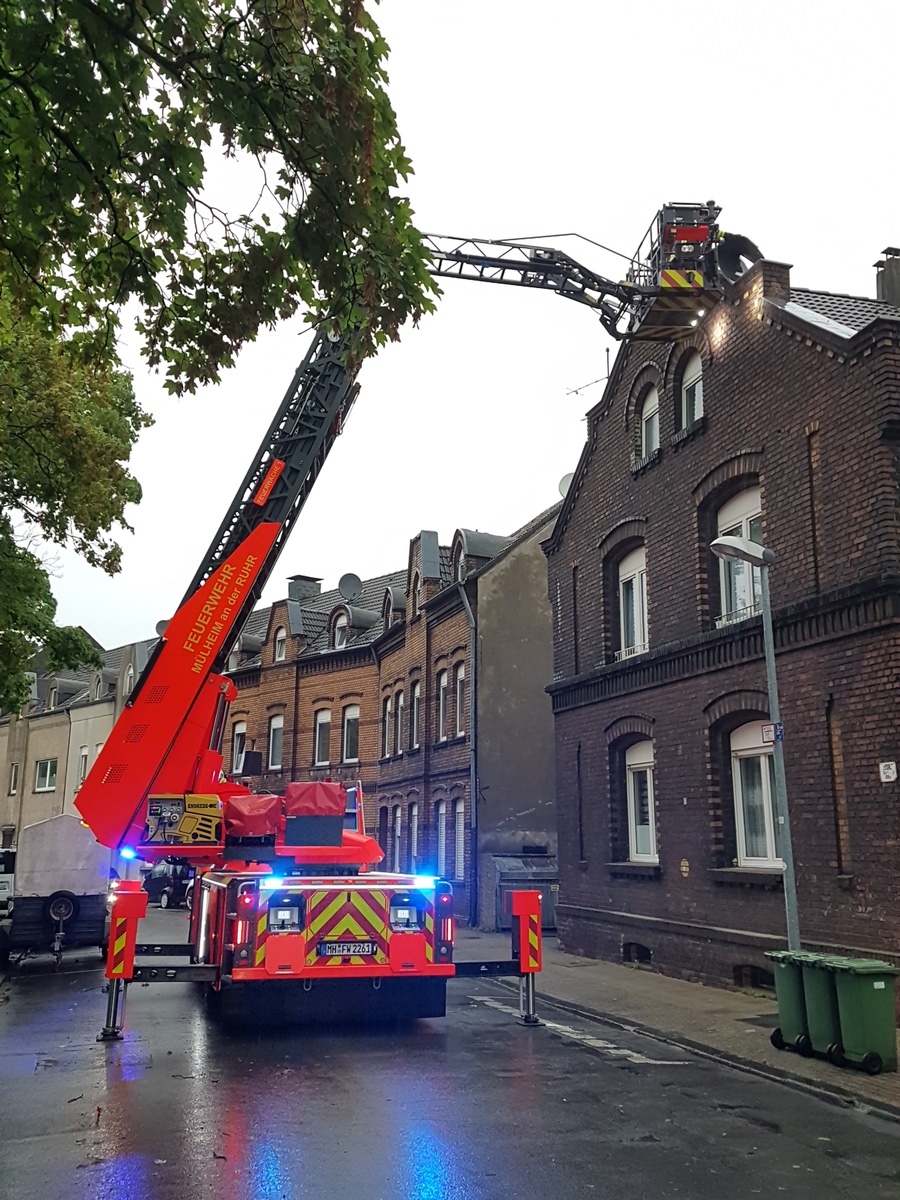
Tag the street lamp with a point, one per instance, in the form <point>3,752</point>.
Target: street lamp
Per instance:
<point>760,557</point>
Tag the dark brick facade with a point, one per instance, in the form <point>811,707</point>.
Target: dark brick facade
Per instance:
<point>808,410</point>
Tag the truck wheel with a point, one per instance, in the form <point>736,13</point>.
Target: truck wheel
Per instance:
<point>165,898</point>
<point>61,907</point>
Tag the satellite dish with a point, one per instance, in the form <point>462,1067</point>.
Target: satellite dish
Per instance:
<point>161,627</point>
<point>350,587</point>
<point>565,483</point>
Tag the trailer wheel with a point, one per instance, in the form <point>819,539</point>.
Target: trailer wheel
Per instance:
<point>62,907</point>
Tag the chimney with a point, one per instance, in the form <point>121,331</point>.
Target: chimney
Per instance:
<point>303,587</point>
<point>887,278</point>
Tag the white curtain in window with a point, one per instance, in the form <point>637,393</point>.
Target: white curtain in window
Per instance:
<point>276,735</point>
<point>238,746</point>
<point>633,602</point>
<point>650,423</point>
<point>641,809</point>
<point>753,780</point>
<point>741,584</point>
<point>440,816</point>
<point>459,840</point>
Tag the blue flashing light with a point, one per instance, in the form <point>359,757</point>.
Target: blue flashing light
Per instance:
<point>270,883</point>
<point>127,852</point>
<point>424,881</point>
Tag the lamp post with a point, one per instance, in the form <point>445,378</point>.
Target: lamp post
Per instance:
<point>760,557</point>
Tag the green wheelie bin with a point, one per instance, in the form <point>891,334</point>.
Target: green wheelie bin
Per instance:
<point>822,1014</point>
<point>865,992</point>
<point>792,1032</point>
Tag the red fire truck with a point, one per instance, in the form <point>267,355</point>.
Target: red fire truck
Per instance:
<point>289,902</point>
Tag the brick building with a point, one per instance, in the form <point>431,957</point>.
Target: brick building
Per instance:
<point>777,421</point>
<point>379,681</point>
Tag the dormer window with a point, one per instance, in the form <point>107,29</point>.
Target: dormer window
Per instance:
<point>129,680</point>
<point>98,688</point>
<point>53,697</point>
<point>340,631</point>
<point>459,567</point>
<point>414,596</point>
<point>280,644</point>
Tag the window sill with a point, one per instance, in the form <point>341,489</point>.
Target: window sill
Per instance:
<point>768,878</point>
<point>640,465</point>
<point>689,432</point>
<point>634,870</point>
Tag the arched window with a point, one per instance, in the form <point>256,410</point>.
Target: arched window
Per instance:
<point>691,405</point>
<point>398,723</point>
<point>98,687</point>
<point>415,716</point>
<point>350,738</point>
<point>739,583</point>
<point>753,780</point>
<point>641,808</point>
<point>276,737</point>
<point>633,604</point>
<point>459,566</point>
<point>53,697</point>
<point>413,847</point>
<point>414,596</point>
<point>386,727</point>
<point>340,631</point>
<point>280,644</point>
<point>459,677</point>
<point>396,838</point>
<point>650,423</point>
<point>459,840</point>
<point>442,721</point>
<point>129,681</point>
<point>322,749</point>
<point>440,820</point>
<point>238,746</point>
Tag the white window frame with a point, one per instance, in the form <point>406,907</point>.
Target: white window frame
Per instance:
<point>459,681</point>
<point>413,836</point>
<point>442,685</point>
<point>323,718</point>
<point>639,763</point>
<point>398,722</point>
<point>650,423</point>
<point>53,697</point>
<point>396,837</point>
<point>238,746</point>
<point>351,716</point>
<point>341,626</point>
<point>49,775</point>
<point>280,643</point>
<point>414,596</point>
<point>276,724</point>
<point>415,716</point>
<point>459,567</point>
<point>633,604</point>
<point>740,584</point>
<point>747,745</point>
<point>82,764</point>
<point>128,683</point>
<point>440,817</point>
<point>459,840</point>
<point>98,688</point>
<point>692,377</point>
<point>13,778</point>
<point>386,710</point>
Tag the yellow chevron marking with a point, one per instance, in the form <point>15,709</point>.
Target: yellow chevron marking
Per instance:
<point>375,917</point>
<point>327,913</point>
<point>119,944</point>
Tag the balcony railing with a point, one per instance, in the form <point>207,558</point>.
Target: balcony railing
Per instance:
<point>630,651</point>
<point>739,614</point>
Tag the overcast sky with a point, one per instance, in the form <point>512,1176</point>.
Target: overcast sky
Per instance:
<point>526,119</point>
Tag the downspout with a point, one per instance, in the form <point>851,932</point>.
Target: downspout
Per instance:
<point>473,755</point>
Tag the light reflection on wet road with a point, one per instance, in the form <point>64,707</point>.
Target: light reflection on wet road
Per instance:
<point>474,1107</point>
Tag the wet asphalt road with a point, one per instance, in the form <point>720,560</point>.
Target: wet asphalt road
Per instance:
<point>473,1107</point>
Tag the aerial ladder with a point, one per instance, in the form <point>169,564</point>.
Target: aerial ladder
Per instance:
<point>271,866</point>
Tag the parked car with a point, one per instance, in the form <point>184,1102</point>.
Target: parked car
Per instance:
<point>169,884</point>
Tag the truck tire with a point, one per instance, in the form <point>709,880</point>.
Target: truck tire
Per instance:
<point>61,907</point>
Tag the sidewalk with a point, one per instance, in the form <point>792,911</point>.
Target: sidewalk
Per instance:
<point>730,1026</point>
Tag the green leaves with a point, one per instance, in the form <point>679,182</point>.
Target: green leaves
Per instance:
<point>111,111</point>
<point>116,117</point>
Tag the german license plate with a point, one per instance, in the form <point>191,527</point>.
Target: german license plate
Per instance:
<point>333,949</point>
